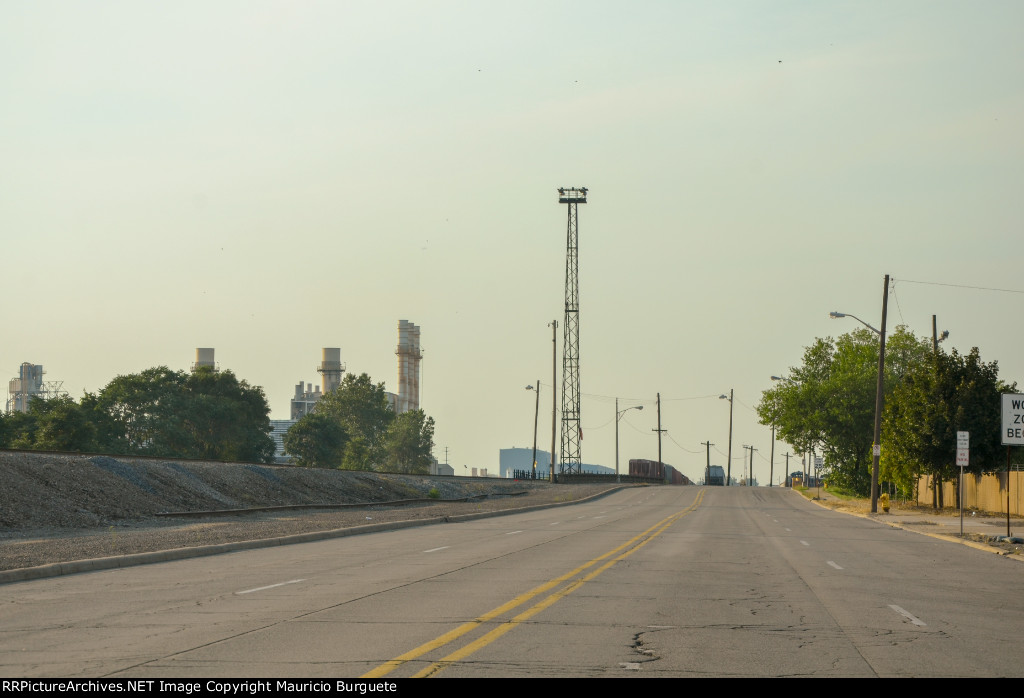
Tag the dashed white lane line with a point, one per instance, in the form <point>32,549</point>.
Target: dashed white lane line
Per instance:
<point>909,616</point>
<point>600,517</point>
<point>555,523</point>
<point>803,542</point>
<point>789,530</point>
<point>832,564</point>
<point>512,533</point>
<point>271,586</point>
<point>434,550</point>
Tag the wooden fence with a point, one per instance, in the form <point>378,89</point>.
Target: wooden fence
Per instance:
<point>986,492</point>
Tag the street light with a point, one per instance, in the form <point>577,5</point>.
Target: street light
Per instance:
<point>876,446</point>
<point>618,416</point>
<point>835,315</point>
<point>536,413</point>
<point>728,467</point>
<point>771,465</point>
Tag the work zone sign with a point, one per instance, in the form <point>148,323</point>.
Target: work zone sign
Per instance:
<point>1013,420</point>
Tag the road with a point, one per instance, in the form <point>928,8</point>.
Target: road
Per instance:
<point>667,581</point>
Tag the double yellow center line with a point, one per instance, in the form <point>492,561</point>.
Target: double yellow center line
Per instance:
<point>616,554</point>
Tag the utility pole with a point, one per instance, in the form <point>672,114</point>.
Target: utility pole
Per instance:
<point>536,414</point>
<point>771,467</point>
<point>554,411</point>
<point>572,432</point>
<point>876,448</point>
<point>707,469</point>
<point>787,466</point>
<point>728,464</point>
<point>750,478</point>
<point>659,429</point>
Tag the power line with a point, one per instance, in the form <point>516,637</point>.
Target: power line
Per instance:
<point>976,288</point>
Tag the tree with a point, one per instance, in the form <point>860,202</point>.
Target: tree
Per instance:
<point>946,394</point>
<point>18,430</point>
<point>361,407</point>
<point>317,440</point>
<point>207,414</point>
<point>828,402</point>
<point>409,442</point>
<point>227,418</point>
<point>62,425</point>
<point>141,413</point>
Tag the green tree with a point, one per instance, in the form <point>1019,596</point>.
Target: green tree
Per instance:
<point>409,443</point>
<point>946,394</point>
<point>142,413</point>
<point>207,414</point>
<point>361,407</point>
<point>227,418</point>
<point>357,455</point>
<point>317,440</point>
<point>62,425</point>
<point>828,402</point>
<point>18,430</point>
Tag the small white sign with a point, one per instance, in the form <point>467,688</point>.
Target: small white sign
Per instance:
<point>1013,420</point>
<point>876,449</point>
<point>962,457</point>
<point>963,439</point>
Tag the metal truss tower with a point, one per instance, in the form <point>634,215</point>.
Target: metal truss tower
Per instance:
<point>572,433</point>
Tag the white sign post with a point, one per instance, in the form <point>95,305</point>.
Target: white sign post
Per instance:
<point>963,451</point>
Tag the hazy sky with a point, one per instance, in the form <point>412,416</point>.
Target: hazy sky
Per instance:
<point>270,178</point>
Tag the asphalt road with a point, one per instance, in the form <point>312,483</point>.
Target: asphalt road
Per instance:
<point>669,581</point>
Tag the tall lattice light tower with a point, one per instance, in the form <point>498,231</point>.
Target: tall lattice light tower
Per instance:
<point>572,433</point>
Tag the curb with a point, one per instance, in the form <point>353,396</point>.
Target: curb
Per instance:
<point>939,536</point>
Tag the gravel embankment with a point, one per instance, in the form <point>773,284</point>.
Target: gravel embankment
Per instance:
<point>60,508</point>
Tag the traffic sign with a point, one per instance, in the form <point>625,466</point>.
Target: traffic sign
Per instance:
<point>1013,420</point>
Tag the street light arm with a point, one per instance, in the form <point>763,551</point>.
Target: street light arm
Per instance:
<point>834,314</point>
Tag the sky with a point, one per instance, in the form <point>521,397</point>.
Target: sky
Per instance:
<point>268,178</point>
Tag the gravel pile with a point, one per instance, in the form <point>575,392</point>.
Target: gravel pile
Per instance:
<point>59,508</point>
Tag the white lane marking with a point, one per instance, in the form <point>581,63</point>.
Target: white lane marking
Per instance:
<point>908,615</point>
<point>555,523</point>
<point>832,564</point>
<point>803,542</point>
<point>434,550</point>
<point>600,517</point>
<point>249,591</point>
<point>790,530</point>
<point>512,533</point>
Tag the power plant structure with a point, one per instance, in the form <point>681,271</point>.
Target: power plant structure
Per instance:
<point>306,395</point>
<point>409,357</point>
<point>304,400</point>
<point>30,384</point>
<point>330,369</point>
<point>204,357</point>
<point>572,432</point>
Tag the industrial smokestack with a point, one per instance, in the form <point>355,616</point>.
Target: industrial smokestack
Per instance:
<point>204,357</point>
<point>331,368</point>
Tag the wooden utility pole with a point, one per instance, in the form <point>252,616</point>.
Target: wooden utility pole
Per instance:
<point>707,470</point>
<point>659,429</point>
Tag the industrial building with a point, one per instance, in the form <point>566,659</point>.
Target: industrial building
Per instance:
<point>510,459</point>
<point>306,395</point>
<point>30,384</point>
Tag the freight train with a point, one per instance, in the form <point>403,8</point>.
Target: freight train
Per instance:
<point>653,470</point>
